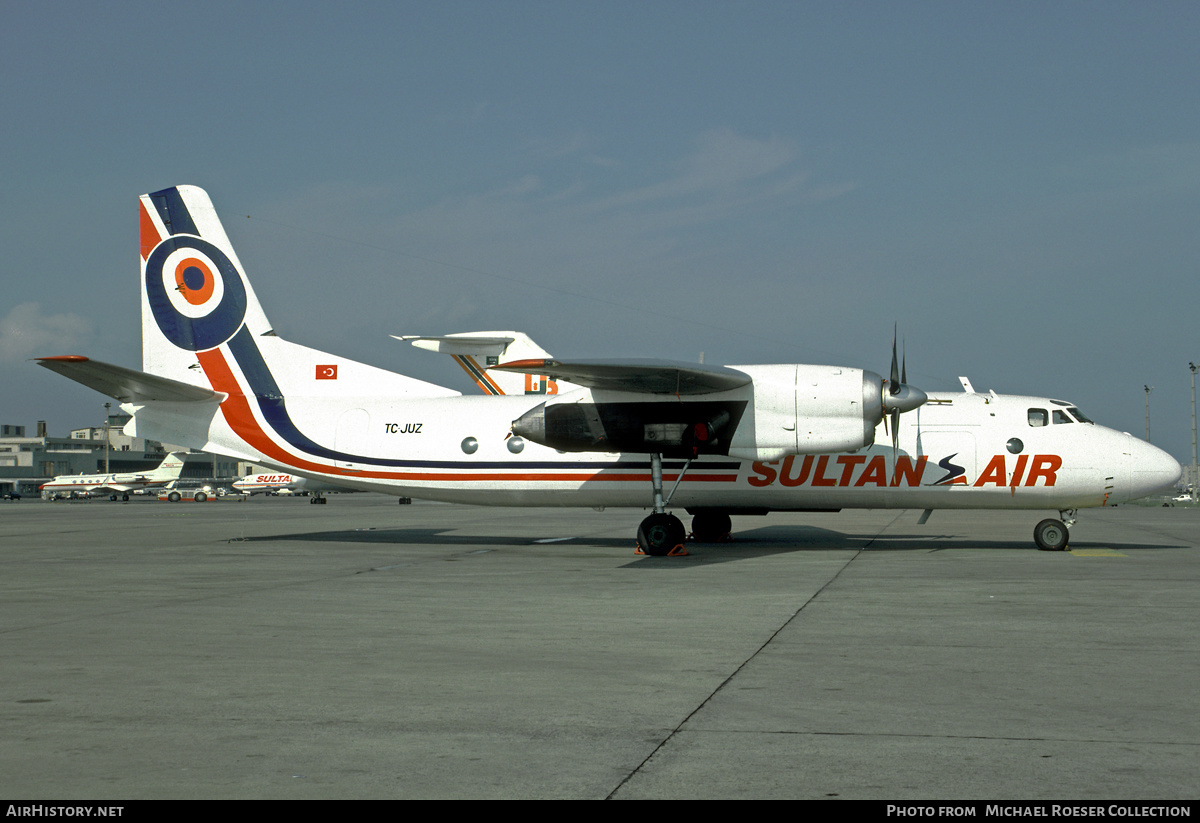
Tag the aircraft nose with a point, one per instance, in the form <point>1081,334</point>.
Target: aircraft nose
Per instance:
<point>1152,469</point>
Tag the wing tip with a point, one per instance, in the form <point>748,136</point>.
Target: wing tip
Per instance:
<point>532,363</point>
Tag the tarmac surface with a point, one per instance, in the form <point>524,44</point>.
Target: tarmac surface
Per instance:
<point>360,649</point>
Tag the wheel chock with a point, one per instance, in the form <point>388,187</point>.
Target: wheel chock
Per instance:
<point>678,551</point>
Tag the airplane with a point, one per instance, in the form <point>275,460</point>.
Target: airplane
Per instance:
<point>165,473</point>
<point>732,440</point>
<point>270,483</point>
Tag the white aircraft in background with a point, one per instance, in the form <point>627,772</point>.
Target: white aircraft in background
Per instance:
<point>732,440</point>
<point>165,473</point>
<point>269,483</point>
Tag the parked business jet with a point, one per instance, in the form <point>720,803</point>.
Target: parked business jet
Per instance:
<point>166,472</point>
<point>728,440</point>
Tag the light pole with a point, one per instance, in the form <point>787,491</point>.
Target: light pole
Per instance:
<point>1148,390</point>
<point>1192,366</point>
<point>106,408</point>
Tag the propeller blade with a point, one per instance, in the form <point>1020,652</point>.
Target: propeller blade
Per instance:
<point>900,397</point>
<point>895,415</point>
<point>894,381</point>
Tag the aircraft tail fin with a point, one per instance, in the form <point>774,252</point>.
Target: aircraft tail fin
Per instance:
<point>195,295</point>
<point>202,325</point>
<point>170,468</point>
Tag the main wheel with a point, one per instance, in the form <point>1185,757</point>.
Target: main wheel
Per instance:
<point>1051,535</point>
<point>711,527</point>
<point>658,534</point>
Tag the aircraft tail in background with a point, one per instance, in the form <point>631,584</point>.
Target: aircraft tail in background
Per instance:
<point>477,351</point>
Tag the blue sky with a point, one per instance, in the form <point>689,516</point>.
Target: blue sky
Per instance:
<point>1017,185</point>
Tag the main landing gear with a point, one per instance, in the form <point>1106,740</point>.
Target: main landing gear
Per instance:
<point>1053,535</point>
<point>711,527</point>
<point>662,534</point>
<point>317,498</point>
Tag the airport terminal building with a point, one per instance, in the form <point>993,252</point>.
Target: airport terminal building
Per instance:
<point>28,461</point>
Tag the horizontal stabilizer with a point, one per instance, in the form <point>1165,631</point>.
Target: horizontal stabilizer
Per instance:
<point>126,385</point>
<point>459,343</point>
<point>649,376</point>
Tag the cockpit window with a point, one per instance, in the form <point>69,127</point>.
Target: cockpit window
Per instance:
<point>1061,416</point>
<point>1078,415</point>
<point>1038,417</point>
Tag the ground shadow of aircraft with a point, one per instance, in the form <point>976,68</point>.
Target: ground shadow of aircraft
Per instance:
<point>750,544</point>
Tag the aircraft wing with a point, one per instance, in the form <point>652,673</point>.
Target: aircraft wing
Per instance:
<point>647,376</point>
<point>125,385</point>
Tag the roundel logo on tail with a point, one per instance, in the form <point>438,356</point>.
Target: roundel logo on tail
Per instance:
<point>196,281</point>
<point>195,293</point>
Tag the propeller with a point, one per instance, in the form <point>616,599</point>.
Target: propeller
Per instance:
<point>899,397</point>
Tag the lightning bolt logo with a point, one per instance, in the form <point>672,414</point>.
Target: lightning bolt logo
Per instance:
<point>954,474</point>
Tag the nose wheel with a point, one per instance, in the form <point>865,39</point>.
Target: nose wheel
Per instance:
<point>1053,535</point>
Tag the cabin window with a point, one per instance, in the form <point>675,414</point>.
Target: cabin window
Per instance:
<point>1038,417</point>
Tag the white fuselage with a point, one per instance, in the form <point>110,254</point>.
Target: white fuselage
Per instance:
<point>276,481</point>
<point>101,482</point>
<point>957,451</point>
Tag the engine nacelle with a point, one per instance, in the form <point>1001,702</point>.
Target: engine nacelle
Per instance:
<point>803,409</point>
<point>787,409</point>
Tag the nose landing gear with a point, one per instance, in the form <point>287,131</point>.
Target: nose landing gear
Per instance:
<point>1053,535</point>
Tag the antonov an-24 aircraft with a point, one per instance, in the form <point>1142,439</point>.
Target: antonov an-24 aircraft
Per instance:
<point>714,441</point>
